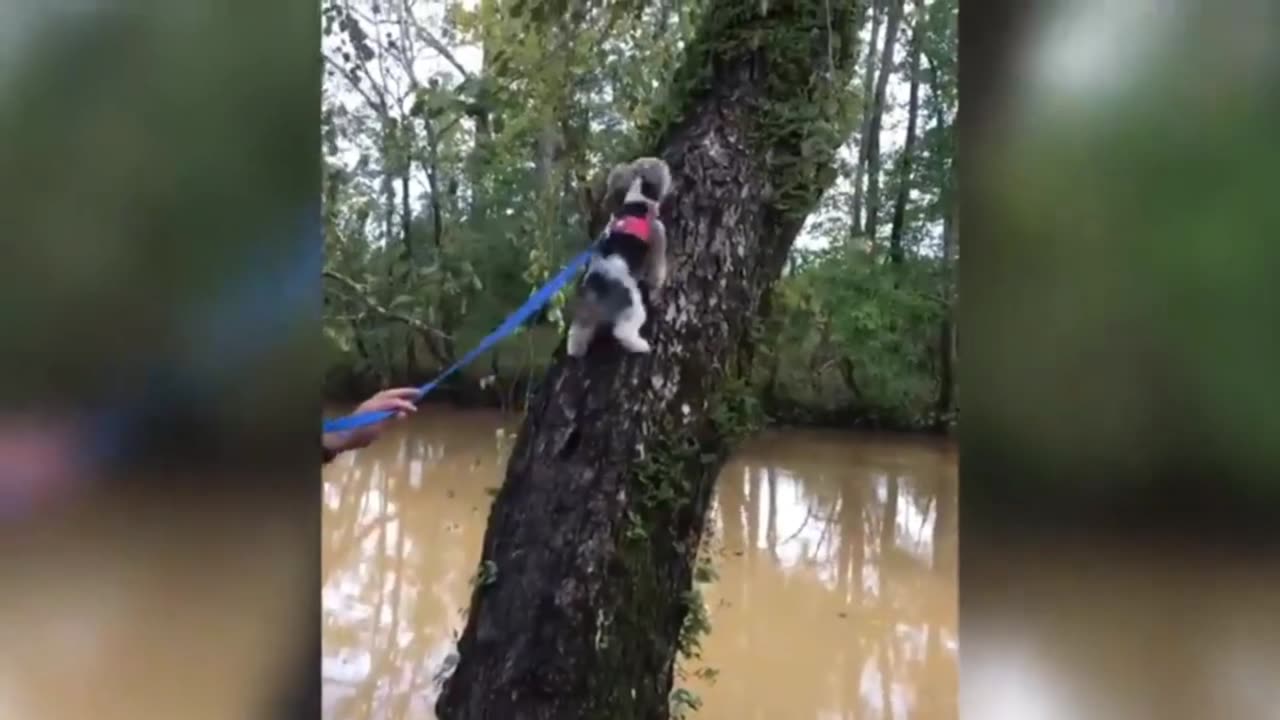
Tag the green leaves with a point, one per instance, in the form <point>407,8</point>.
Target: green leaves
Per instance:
<point>486,574</point>
<point>684,701</point>
<point>849,330</point>
<point>493,152</point>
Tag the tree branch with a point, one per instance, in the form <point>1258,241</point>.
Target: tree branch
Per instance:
<point>432,42</point>
<point>376,104</point>
<point>360,291</point>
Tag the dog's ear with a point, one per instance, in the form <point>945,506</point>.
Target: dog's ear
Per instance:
<point>655,178</point>
<point>620,178</point>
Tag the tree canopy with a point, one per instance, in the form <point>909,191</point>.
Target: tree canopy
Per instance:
<point>465,144</point>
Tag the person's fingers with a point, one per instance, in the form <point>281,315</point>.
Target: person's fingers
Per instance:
<point>399,406</point>
<point>389,399</point>
<point>403,393</point>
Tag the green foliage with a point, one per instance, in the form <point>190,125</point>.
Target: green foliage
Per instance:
<point>735,409</point>
<point>486,574</point>
<point>851,330</point>
<point>684,701</point>
<point>497,156</point>
<point>494,155</point>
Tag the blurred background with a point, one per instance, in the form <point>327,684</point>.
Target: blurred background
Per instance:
<point>161,310</point>
<point>1120,303</point>
<point>159,198</point>
<point>1119,462</point>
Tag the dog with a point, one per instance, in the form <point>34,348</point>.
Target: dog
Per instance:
<point>634,249</point>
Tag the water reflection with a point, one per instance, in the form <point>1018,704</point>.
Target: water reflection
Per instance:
<point>837,580</point>
<point>836,556</point>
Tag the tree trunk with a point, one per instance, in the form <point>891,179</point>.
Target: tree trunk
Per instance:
<point>406,230</point>
<point>442,348</point>
<point>478,160</point>
<point>946,340</point>
<point>898,226</point>
<point>864,132</point>
<point>588,556</point>
<point>877,118</point>
<point>950,236</point>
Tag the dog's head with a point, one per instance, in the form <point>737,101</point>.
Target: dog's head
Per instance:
<point>646,179</point>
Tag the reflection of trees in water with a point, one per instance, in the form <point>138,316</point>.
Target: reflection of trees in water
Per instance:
<point>395,573</point>
<point>829,605</point>
<point>372,591</point>
<point>881,537</point>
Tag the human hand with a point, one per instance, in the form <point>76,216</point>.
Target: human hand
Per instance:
<point>40,461</point>
<point>399,400</point>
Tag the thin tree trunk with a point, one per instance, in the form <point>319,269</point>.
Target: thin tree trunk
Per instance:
<point>406,230</point>
<point>406,212</point>
<point>482,121</point>
<point>898,226</point>
<point>950,236</point>
<point>864,132</point>
<point>877,118</point>
<point>433,181</point>
<point>442,348</point>
<point>593,536</point>
<point>946,339</point>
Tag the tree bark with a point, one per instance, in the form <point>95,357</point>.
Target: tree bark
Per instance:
<point>898,226</point>
<point>864,132</point>
<point>877,118</point>
<point>589,552</point>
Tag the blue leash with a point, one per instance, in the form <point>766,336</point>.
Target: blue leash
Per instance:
<point>508,326</point>
<point>276,298</point>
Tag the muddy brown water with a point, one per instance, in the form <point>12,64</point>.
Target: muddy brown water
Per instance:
<point>836,595</point>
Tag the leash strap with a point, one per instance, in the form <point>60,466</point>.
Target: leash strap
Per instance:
<point>522,314</point>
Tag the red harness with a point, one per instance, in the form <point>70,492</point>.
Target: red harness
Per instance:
<point>636,227</point>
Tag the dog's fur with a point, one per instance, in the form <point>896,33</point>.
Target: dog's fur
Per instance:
<point>610,291</point>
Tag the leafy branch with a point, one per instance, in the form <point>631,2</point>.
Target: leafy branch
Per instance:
<point>361,293</point>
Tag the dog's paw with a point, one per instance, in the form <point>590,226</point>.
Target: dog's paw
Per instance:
<point>636,345</point>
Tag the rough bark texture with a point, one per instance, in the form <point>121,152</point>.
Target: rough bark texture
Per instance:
<point>589,552</point>
<point>898,226</point>
<point>877,117</point>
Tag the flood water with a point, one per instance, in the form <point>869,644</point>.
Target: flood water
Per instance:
<point>836,595</point>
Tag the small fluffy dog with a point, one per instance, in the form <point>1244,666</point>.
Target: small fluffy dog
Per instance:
<point>634,249</point>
